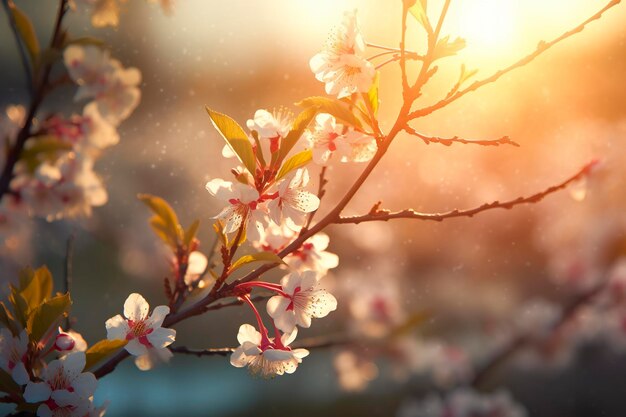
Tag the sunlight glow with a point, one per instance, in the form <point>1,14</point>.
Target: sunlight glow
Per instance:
<point>488,24</point>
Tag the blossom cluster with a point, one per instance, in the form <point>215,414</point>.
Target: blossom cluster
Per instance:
<point>464,402</point>
<point>55,176</point>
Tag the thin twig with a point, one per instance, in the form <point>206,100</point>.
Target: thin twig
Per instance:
<point>320,194</point>
<point>504,140</point>
<point>541,48</point>
<point>68,273</point>
<point>203,352</point>
<point>385,215</point>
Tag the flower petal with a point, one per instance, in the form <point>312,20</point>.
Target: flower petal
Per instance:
<point>136,307</point>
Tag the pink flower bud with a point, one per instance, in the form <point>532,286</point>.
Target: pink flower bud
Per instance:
<point>64,342</point>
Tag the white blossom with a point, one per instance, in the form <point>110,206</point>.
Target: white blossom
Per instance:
<point>243,206</point>
<point>302,300</point>
<point>341,65</point>
<point>65,389</point>
<point>331,139</point>
<point>143,333</point>
<point>13,354</point>
<point>196,265</point>
<point>293,202</point>
<point>269,359</point>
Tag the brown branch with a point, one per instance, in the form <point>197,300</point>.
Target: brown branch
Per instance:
<point>541,48</point>
<point>385,215</point>
<point>504,140</point>
<point>16,151</point>
<point>203,352</point>
<point>68,275</point>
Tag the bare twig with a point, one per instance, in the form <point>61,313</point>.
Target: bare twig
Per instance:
<point>385,215</point>
<point>68,275</point>
<point>504,140</point>
<point>541,48</point>
<point>203,352</point>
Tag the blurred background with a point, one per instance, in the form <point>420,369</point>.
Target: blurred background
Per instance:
<point>473,276</point>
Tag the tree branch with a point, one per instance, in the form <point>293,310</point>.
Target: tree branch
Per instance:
<point>504,140</point>
<point>377,214</point>
<point>40,90</point>
<point>541,48</point>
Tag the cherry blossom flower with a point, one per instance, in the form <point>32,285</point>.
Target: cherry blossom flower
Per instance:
<point>271,127</point>
<point>243,207</point>
<point>104,79</point>
<point>143,333</point>
<point>329,138</point>
<point>293,202</point>
<point>196,265</point>
<point>13,354</point>
<point>70,341</point>
<point>464,402</point>
<point>65,389</point>
<point>68,187</point>
<point>312,255</point>
<point>301,300</point>
<point>264,356</point>
<point>340,65</point>
<point>353,371</point>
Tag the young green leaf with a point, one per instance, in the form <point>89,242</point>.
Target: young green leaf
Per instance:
<point>267,257</point>
<point>27,31</point>
<point>297,129</point>
<point>190,233</point>
<point>101,350</point>
<point>35,286</point>
<point>43,148</point>
<point>46,315</point>
<point>20,306</point>
<point>445,47</point>
<point>297,161</point>
<point>235,137</point>
<point>7,319</point>
<point>372,94</point>
<point>418,11</point>
<point>164,222</point>
<point>337,108</point>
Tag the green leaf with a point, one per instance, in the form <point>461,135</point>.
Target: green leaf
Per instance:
<point>7,384</point>
<point>20,306</point>
<point>466,75</point>
<point>35,286</point>
<point>7,319</point>
<point>46,315</point>
<point>235,137</point>
<point>332,106</point>
<point>190,233</point>
<point>164,222</point>
<point>43,148</point>
<point>372,95</point>
<point>445,47</point>
<point>418,11</point>
<point>27,31</point>
<point>101,350</point>
<point>297,161</point>
<point>267,257</point>
<point>297,129</point>
<point>413,321</point>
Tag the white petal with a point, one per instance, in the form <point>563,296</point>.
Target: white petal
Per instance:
<point>309,280</point>
<point>158,315</point>
<point>73,364</point>
<point>37,391</point>
<point>277,305</point>
<point>161,337</point>
<point>44,411</point>
<point>291,282</point>
<point>287,338</point>
<point>85,384</point>
<point>248,333</point>
<point>117,328</point>
<point>136,307</point>
<point>135,348</point>
<point>20,374</point>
